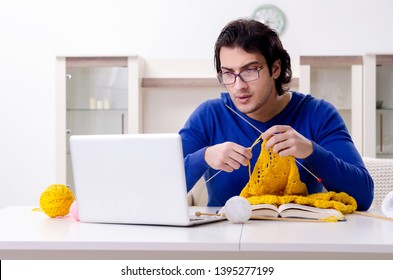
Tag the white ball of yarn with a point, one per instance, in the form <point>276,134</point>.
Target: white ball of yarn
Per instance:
<point>387,205</point>
<point>237,209</point>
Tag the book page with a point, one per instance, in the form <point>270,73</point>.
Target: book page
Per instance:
<point>306,211</point>
<point>267,210</point>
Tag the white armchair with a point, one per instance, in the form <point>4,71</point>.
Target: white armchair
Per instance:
<point>381,170</point>
<point>197,196</point>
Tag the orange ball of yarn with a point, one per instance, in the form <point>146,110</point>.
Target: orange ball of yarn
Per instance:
<point>56,200</point>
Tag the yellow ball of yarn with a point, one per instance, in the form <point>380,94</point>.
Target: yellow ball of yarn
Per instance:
<point>56,200</point>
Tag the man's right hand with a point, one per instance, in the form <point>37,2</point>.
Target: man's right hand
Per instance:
<point>227,156</point>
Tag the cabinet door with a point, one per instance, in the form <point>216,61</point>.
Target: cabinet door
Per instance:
<point>384,135</point>
<point>384,104</point>
<point>95,95</point>
<point>97,100</point>
<point>378,105</point>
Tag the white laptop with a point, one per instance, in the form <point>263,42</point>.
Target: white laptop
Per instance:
<point>131,179</point>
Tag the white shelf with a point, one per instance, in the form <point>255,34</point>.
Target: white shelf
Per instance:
<point>191,82</point>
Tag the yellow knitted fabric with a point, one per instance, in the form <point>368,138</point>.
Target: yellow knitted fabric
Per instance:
<point>276,180</point>
<point>274,175</point>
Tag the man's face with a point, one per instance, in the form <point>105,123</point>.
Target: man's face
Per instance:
<point>252,97</point>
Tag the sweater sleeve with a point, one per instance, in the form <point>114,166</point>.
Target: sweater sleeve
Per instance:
<point>195,166</point>
<point>194,139</point>
<point>343,176</point>
<point>336,160</point>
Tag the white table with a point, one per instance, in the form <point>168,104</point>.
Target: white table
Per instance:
<point>25,234</point>
<point>359,237</point>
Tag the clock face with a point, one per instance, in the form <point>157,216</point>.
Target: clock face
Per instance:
<point>271,16</point>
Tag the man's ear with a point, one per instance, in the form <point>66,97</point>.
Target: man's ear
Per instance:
<point>276,67</point>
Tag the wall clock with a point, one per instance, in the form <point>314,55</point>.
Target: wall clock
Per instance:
<point>272,16</point>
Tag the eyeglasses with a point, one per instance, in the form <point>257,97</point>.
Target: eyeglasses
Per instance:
<point>248,75</point>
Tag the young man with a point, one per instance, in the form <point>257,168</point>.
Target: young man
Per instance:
<point>256,70</point>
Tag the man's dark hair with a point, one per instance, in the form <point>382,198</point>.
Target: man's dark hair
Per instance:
<point>255,37</point>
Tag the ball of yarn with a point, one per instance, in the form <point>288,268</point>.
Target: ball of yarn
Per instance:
<point>387,205</point>
<point>237,209</point>
<point>74,211</point>
<point>56,200</point>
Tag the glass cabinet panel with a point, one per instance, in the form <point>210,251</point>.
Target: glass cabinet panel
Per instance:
<point>384,108</point>
<point>384,133</point>
<point>96,103</point>
<point>97,100</point>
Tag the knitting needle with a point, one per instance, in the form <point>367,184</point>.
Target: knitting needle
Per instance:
<point>312,174</point>
<point>373,215</point>
<point>199,213</point>
<point>240,116</point>
<point>213,176</point>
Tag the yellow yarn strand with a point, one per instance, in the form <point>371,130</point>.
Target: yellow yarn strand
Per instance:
<point>56,200</point>
<point>330,219</point>
<point>252,146</point>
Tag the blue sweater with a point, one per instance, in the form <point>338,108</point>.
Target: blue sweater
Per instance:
<point>335,159</point>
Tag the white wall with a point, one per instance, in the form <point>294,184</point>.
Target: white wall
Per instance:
<point>33,33</point>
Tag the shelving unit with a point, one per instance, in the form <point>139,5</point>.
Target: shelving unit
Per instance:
<point>338,80</point>
<point>378,122</point>
<point>85,108</point>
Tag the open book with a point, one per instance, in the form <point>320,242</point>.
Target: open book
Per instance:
<point>293,210</point>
